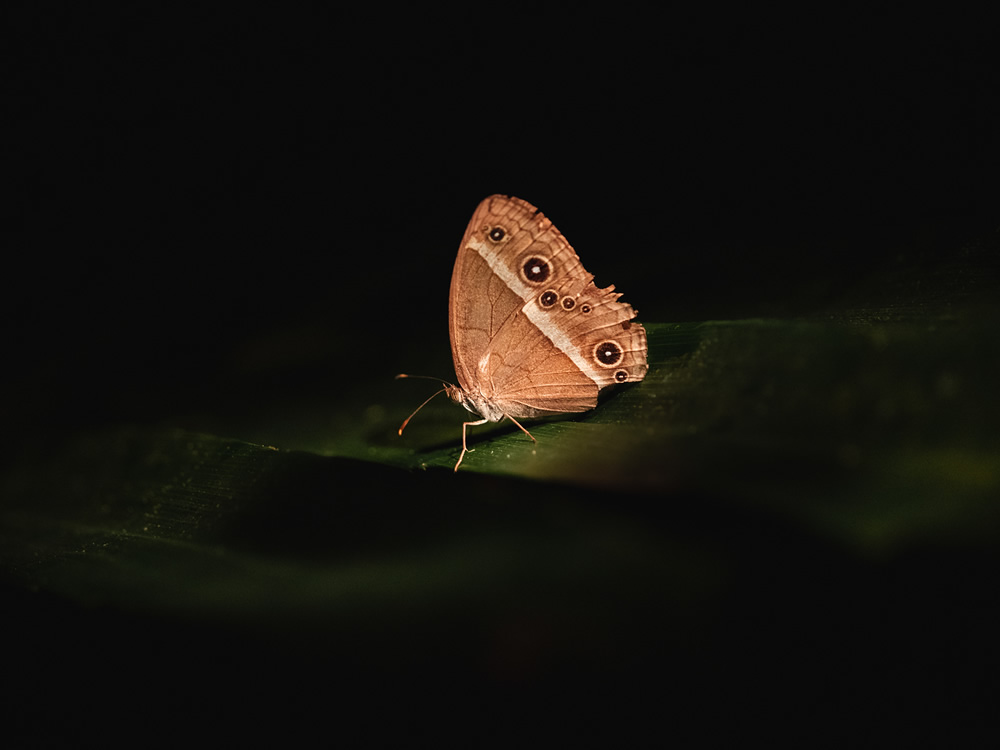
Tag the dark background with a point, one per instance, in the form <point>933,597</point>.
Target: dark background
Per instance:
<point>221,211</point>
<point>208,207</point>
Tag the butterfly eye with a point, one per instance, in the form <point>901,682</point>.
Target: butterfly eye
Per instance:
<point>548,298</point>
<point>585,308</point>
<point>621,376</point>
<point>608,354</point>
<point>568,303</point>
<point>536,270</point>
<point>496,234</point>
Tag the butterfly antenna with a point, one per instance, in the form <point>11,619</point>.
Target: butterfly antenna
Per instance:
<point>423,377</point>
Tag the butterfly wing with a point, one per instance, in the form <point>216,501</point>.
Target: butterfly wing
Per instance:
<point>530,332</point>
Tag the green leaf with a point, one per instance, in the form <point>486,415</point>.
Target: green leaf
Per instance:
<point>772,484</point>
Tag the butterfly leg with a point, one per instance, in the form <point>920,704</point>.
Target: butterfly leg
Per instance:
<point>465,448</point>
<point>522,427</point>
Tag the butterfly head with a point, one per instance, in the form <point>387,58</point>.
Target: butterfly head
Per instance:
<point>476,403</point>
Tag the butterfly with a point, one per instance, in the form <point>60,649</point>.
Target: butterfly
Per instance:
<point>531,334</point>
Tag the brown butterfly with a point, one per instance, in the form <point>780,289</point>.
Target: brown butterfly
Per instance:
<point>531,335</point>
